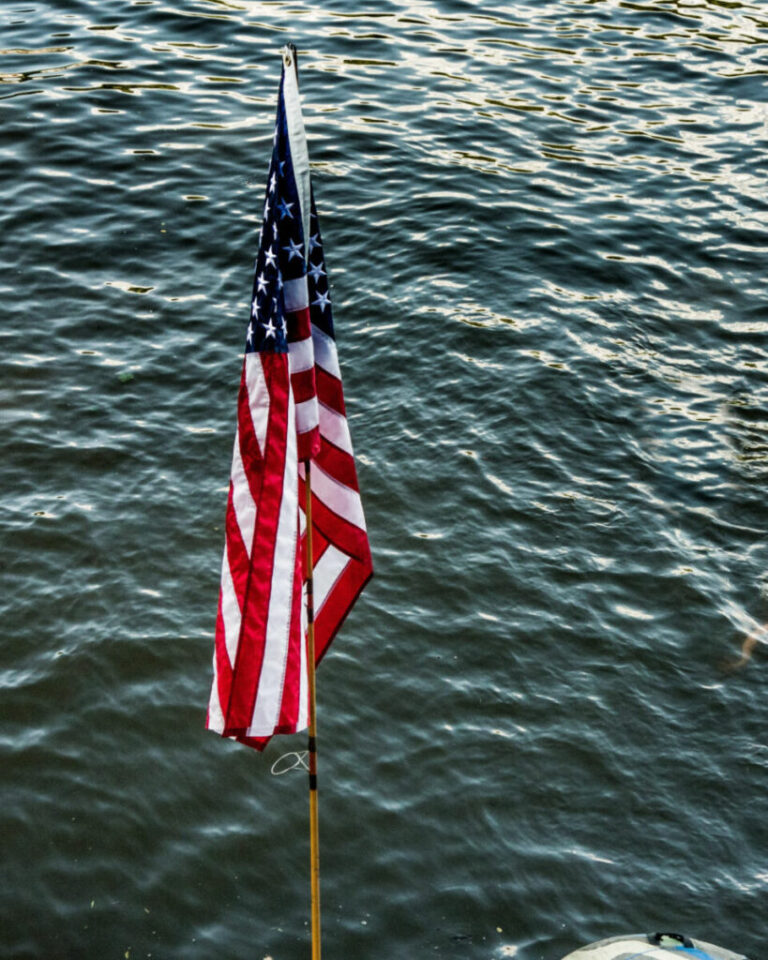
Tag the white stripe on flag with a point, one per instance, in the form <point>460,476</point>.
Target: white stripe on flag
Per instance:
<point>327,571</point>
<point>258,396</point>
<point>326,355</point>
<point>334,427</point>
<point>295,294</point>
<point>338,497</point>
<point>266,713</point>
<point>242,501</point>
<point>301,356</point>
<point>230,611</point>
<point>306,415</point>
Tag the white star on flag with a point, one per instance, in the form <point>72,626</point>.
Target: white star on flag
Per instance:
<point>294,250</point>
<point>323,301</point>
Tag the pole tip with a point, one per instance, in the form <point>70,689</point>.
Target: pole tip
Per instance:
<point>289,55</point>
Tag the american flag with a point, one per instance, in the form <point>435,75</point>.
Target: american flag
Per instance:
<point>290,410</point>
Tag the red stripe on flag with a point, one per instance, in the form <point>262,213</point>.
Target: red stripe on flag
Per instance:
<point>329,391</point>
<point>290,706</point>
<point>338,603</point>
<point>345,536</point>
<point>337,464</point>
<point>237,556</point>
<point>319,545</point>
<point>303,384</point>
<point>223,666</point>
<point>308,443</point>
<point>298,324</point>
<point>250,453</point>
<point>258,743</point>
<point>250,649</point>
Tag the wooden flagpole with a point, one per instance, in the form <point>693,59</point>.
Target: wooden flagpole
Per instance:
<point>290,59</point>
<point>314,835</point>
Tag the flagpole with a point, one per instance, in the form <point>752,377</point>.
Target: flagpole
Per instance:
<point>290,59</point>
<point>314,834</point>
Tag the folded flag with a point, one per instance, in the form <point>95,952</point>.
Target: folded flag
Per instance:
<point>290,410</point>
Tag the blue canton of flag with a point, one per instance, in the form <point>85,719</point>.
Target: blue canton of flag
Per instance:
<point>317,279</point>
<point>281,253</point>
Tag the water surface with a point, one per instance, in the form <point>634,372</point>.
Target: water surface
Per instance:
<point>545,225</point>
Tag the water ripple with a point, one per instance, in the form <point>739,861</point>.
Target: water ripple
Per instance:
<point>545,229</point>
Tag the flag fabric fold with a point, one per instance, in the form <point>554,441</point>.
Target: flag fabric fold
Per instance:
<point>290,410</point>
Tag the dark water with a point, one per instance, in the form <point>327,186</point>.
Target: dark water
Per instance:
<point>546,229</point>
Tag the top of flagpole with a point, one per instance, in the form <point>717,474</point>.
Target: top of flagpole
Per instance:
<point>290,58</point>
